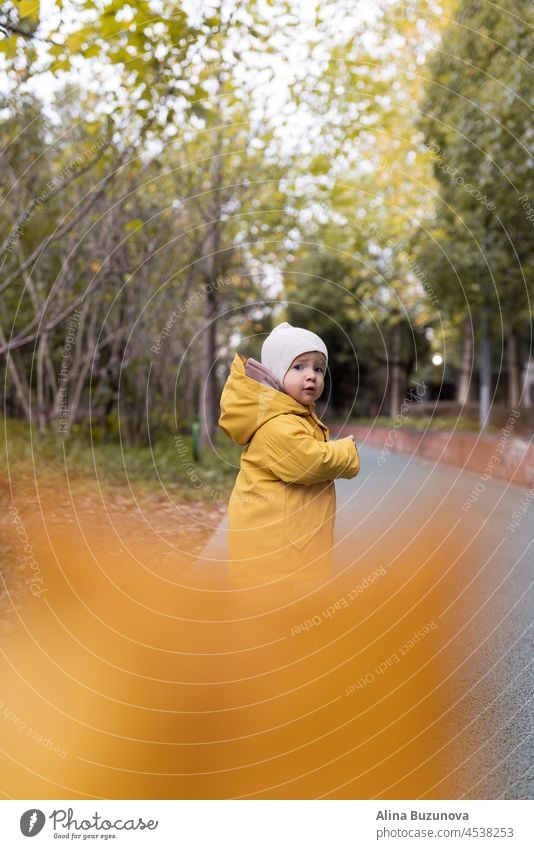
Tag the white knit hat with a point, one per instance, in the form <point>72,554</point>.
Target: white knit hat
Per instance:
<point>286,342</point>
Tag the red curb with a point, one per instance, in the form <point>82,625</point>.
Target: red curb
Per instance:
<point>499,456</point>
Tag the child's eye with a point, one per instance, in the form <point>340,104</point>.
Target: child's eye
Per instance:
<point>319,368</point>
<point>299,365</point>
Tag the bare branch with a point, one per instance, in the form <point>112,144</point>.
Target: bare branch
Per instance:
<point>57,234</point>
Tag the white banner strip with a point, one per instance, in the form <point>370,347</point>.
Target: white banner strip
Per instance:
<point>269,824</point>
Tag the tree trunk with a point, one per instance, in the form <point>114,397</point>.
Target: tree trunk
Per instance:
<point>485,369</point>
<point>45,366</point>
<point>464,393</point>
<point>77,371</point>
<point>19,382</point>
<point>397,371</point>
<point>208,385</point>
<point>208,388</point>
<point>514,377</point>
<point>41,416</point>
<point>188,407</point>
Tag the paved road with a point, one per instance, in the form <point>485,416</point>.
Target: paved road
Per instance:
<point>459,528</point>
<point>421,521</point>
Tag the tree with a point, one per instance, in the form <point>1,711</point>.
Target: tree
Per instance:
<point>364,193</point>
<point>476,124</point>
<point>166,198</point>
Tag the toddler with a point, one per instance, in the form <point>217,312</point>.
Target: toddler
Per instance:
<point>282,507</point>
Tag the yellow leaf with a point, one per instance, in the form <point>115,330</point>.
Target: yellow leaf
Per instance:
<point>75,41</point>
<point>29,9</point>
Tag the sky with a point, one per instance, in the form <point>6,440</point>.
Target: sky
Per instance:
<point>285,65</point>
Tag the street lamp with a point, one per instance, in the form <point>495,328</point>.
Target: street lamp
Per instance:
<point>437,362</point>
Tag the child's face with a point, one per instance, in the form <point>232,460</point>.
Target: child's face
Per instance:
<point>304,379</point>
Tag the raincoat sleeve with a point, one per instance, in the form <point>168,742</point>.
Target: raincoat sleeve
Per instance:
<point>292,453</point>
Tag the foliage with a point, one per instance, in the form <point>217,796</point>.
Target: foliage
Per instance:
<point>477,124</point>
<point>162,200</point>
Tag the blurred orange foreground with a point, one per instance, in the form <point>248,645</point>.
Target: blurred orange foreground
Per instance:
<point>125,677</point>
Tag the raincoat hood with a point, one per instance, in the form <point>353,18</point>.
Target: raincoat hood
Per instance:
<point>247,403</point>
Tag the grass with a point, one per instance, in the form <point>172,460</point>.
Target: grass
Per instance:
<point>449,423</point>
<point>30,454</point>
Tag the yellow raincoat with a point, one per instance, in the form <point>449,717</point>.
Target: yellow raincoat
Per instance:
<point>282,508</point>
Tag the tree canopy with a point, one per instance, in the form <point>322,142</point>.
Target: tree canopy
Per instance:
<point>177,177</point>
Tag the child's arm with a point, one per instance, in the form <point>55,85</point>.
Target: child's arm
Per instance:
<point>289,450</point>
